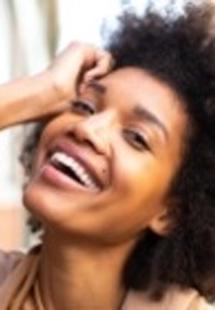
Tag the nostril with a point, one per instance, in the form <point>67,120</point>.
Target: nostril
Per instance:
<point>90,134</point>
<point>89,143</point>
<point>85,140</point>
<point>70,134</point>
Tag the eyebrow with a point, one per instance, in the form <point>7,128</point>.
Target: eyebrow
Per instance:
<point>97,86</point>
<point>139,111</point>
<point>144,114</point>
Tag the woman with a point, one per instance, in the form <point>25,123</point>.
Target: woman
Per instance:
<point>123,179</point>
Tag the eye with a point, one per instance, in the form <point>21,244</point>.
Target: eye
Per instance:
<point>83,107</point>
<point>136,139</point>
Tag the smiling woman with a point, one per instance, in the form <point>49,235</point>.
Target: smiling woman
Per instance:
<point>81,165</point>
<point>122,179</point>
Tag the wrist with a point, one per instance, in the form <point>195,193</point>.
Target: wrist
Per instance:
<point>53,85</point>
<point>62,84</point>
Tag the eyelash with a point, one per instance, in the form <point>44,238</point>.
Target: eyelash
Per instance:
<point>83,107</point>
<point>132,136</point>
<point>136,139</point>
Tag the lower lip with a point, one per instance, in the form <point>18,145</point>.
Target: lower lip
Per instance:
<point>60,180</point>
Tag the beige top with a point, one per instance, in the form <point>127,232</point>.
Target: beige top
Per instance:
<point>19,289</point>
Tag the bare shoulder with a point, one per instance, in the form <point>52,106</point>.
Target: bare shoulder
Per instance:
<point>8,261</point>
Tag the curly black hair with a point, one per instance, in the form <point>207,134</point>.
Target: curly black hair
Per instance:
<point>179,50</point>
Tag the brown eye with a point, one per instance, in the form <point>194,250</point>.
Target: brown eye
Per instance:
<point>83,107</point>
<point>136,139</point>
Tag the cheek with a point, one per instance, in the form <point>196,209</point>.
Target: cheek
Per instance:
<point>56,126</point>
<point>140,177</point>
<point>52,129</point>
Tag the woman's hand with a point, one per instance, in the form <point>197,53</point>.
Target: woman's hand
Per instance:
<point>49,92</point>
<point>78,62</point>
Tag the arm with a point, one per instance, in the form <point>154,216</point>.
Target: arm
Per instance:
<point>48,93</point>
<point>28,99</point>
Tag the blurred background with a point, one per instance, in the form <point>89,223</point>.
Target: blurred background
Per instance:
<point>31,33</point>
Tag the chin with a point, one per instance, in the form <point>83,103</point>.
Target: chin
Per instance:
<point>75,213</point>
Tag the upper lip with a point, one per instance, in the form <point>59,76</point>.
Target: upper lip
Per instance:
<point>74,151</point>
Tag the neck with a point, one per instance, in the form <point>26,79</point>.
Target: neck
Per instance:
<point>74,275</point>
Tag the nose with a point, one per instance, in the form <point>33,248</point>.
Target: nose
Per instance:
<point>95,131</point>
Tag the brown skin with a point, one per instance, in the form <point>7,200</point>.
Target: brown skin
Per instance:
<point>48,93</point>
<point>90,234</point>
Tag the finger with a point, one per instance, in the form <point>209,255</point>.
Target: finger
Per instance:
<point>103,65</point>
<point>81,88</point>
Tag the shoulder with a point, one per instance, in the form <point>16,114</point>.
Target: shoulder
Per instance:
<point>8,262</point>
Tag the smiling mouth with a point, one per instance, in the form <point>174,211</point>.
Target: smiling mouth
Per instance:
<point>74,170</point>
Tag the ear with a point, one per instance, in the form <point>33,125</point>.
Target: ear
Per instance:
<point>162,222</point>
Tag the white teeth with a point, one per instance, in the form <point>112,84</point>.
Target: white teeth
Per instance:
<point>75,166</point>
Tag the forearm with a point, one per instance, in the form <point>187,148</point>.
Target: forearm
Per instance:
<point>28,99</point>
<point>48,93</point>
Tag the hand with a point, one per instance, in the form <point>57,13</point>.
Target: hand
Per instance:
<point>78,61</point>
<point>48,93</point>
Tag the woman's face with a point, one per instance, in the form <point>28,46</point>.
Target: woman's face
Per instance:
<point>103,168</point>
